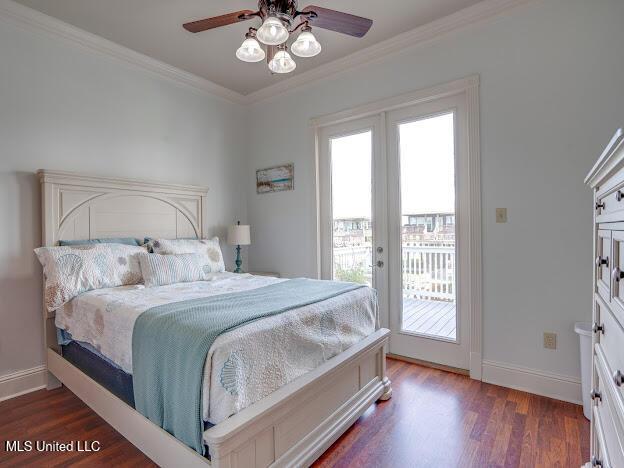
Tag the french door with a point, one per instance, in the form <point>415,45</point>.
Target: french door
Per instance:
<point>352,173</point>
<point>427,260</point>
<point>394,196</point>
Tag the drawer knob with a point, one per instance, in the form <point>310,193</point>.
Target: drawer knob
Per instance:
<point>602,261</point>
<point>596,461</point>
<point>618,378</point>
<point>596,395</point>
<point>598,328</point>
<point>600,205</point>
<point>617,275</point>
<point>619,195</point>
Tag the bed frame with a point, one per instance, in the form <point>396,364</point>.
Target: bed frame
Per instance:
<point>291,427</point>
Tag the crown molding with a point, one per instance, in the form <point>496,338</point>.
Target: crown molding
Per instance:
<point>423,34</point>
<point>35,20</point>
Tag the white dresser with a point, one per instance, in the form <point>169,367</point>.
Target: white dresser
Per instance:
<point>607,427</point>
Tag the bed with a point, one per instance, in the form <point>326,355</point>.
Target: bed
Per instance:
<point>288,420</point>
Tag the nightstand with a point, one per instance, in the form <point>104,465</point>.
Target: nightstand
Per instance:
<point>264,273</point>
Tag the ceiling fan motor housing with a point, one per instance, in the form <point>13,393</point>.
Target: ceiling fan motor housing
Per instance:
<point>285,10</point>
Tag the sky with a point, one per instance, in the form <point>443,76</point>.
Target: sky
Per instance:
<point>427,169</point>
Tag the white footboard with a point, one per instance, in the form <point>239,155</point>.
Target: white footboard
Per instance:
<point>291,427</point>
<point>294,425</point>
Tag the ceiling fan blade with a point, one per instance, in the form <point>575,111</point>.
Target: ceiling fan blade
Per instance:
<point>338,21</point>
<point>218,21</point>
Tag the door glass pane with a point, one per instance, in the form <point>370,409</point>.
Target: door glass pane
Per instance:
<point>427,158</point>
<point>351,180</point>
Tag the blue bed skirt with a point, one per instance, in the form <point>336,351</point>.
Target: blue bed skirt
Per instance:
<point>102,371</point>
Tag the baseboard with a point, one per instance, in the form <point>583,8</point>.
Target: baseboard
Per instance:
<point>21,382</point>
<point>559,387</point>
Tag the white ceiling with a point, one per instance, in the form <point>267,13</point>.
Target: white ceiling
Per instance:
<point>154,28</point>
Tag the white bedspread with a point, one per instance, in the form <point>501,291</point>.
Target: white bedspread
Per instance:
<point>243,365</point>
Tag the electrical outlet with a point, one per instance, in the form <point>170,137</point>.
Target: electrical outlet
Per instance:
<point>550,340</point>
<point>501,215</point>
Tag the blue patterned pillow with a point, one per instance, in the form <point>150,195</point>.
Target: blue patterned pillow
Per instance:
<point>73,269</point>
<point>159,270</point>
<point>209,247</point>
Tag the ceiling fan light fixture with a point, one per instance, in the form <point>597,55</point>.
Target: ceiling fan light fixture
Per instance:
<point>306,45</point>
<point>272,32</point>
<point>250,50</point>
<point>282,62</point>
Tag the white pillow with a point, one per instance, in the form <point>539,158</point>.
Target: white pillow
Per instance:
<point>209,247</point>
<point>159,270</point>
<point>72,270</point>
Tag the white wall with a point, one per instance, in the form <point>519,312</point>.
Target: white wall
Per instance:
<point>552,94</point>
<point>64,108</point>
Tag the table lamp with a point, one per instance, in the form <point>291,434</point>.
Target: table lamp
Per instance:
<point>238,235</point>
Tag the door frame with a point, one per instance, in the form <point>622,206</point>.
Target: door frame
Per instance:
<point>469,87</point>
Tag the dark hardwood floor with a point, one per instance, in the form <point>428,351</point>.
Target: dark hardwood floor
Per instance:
<point>441,419</point>
<point>434,418</point>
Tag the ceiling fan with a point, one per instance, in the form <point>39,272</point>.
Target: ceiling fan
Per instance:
<point>280,20</point>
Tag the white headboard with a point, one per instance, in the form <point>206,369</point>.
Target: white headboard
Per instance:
<point>78,206</point>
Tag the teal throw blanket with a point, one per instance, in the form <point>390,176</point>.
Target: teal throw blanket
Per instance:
<point>170,344</point>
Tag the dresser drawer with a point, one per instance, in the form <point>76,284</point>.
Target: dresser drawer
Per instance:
<point>601,456</point>
<point>607,406</point>
<point>612,345</point>
<point>603,264</point>
<point>617,275</point>
<point>610,199</point>
<point>600,308</point>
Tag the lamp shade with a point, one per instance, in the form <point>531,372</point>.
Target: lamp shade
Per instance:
<point>306,45</point>
<point>239,235</point>
<point>272,32</point>
<point>250,51</point>
<point>282,62</point>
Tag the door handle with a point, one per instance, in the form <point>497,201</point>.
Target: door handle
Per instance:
<point>380,264</point>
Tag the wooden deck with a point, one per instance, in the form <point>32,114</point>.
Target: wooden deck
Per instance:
<point>429,317</point>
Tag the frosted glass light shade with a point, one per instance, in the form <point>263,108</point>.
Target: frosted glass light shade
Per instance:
<point>250,51</point>
<point>306,45</point>
<point>272,32</point>
<point>238,234</point>
<point>282,63</point>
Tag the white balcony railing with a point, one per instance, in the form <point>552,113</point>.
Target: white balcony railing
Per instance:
<point>428,270</point>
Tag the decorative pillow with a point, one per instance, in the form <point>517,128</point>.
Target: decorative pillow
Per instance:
<point>209,247</point>
<point>114,240</point>
<point>159,270</point>
<point>71,270</point>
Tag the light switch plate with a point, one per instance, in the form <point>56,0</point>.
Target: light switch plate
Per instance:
<point>501,215</point>
<point>550,340</point>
